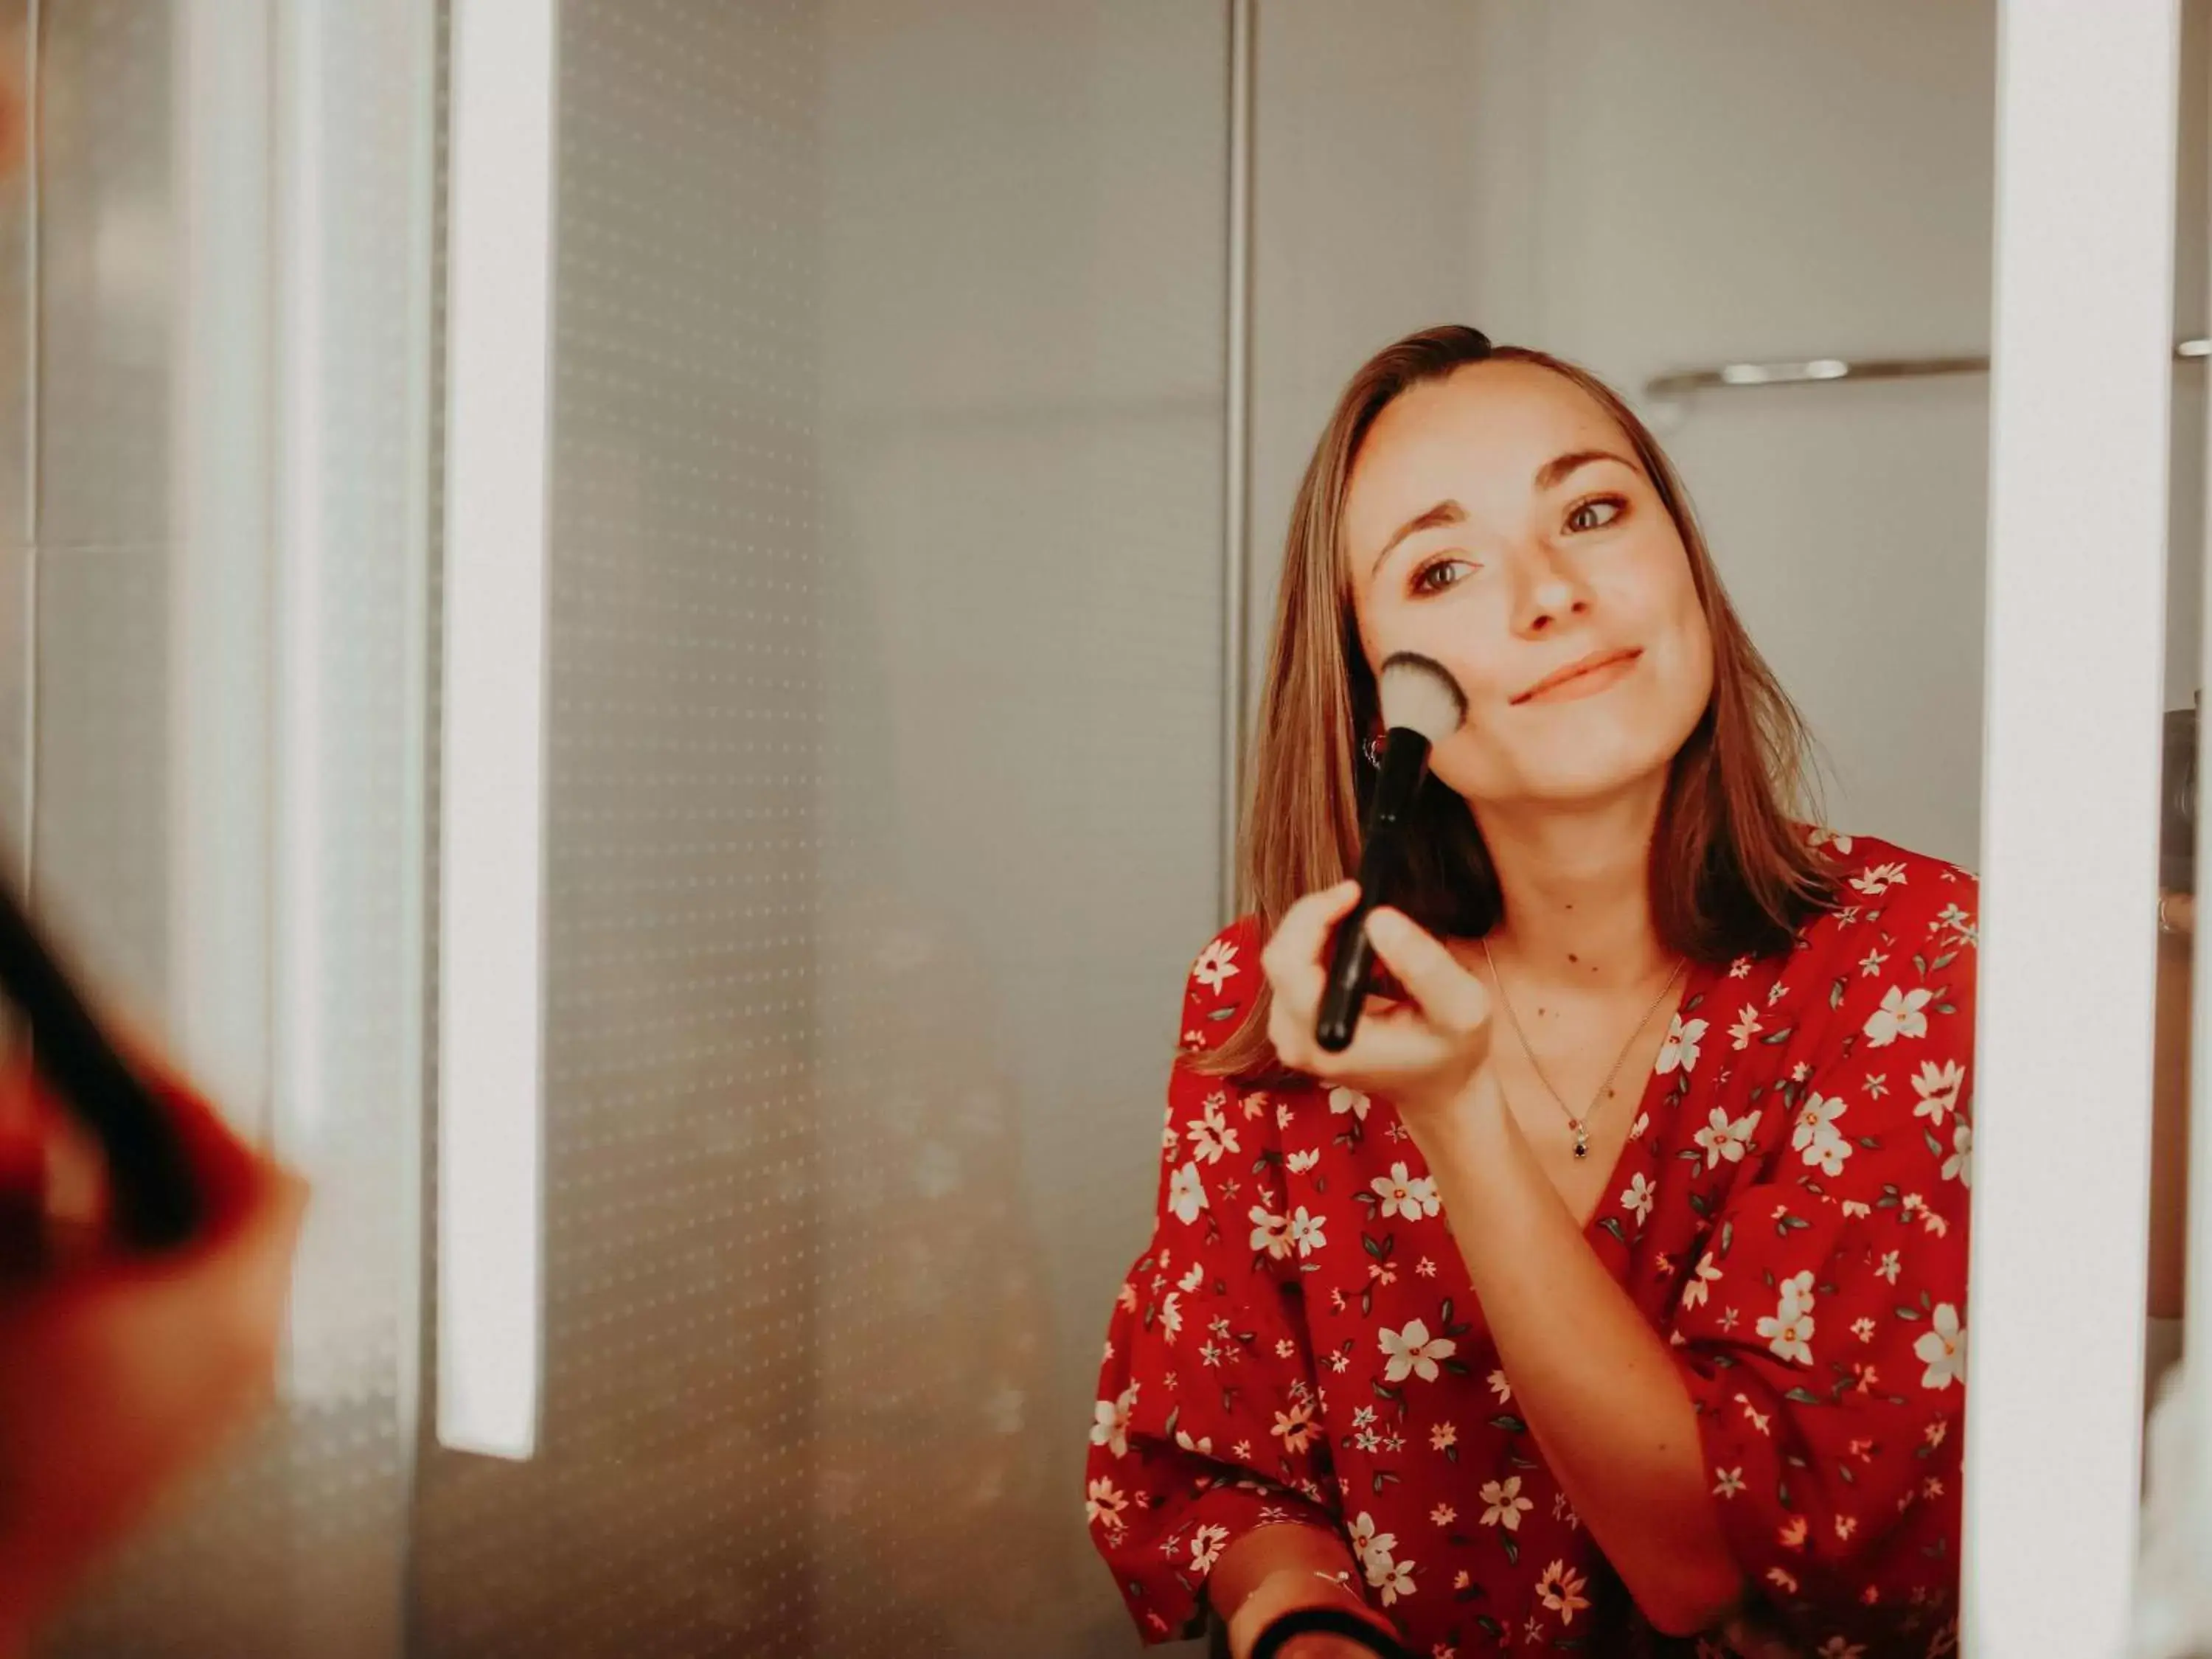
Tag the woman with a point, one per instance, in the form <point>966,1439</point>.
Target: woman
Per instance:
<point>1606,1292</point>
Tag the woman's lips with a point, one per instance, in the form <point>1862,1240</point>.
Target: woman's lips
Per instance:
<point>1585,678</point>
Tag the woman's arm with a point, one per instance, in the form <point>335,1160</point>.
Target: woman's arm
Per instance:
<point>1179,1478</point>
<point>1283,1569</point>
<point>1600,1391</point>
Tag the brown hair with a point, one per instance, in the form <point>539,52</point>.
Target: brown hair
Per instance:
<point>1732,873</point>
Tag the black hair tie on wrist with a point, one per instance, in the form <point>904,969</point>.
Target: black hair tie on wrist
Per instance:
<point>1327,1621</point>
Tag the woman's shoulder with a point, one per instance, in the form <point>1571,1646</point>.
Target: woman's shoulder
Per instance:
<point>1220,984</point>
<point>1877,882</point>
<point>1891,962</point>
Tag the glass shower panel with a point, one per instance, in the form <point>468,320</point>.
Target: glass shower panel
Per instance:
<point>886,575</point>
<point>226,633</point>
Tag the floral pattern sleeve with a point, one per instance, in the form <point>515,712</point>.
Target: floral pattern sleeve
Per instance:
<point>1207,1421</point>
<point>1823,1324</point>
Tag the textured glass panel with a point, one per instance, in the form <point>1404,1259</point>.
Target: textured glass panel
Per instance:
<point>107,257</point>
<point>885,681</point>
<point>296,1543</point>
<point>101,757</point>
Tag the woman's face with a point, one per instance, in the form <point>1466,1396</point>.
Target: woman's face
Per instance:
<point>1499,521</point>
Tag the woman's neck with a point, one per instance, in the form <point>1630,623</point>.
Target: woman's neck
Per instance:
<point>1578,892</point>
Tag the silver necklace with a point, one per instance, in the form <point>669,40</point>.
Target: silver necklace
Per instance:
<point>1580,1126</point>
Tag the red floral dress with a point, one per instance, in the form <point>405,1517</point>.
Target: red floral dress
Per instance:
<point>1301,1343</point>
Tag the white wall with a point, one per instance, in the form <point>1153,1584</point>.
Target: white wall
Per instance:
<point>1645,185</point>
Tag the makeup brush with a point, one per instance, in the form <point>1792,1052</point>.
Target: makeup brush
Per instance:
<point>1422,705</point>
<point>157,1201</point>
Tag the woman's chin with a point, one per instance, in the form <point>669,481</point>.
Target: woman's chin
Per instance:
<point>1593,783</point>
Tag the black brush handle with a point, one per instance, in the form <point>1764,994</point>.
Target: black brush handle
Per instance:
<point>1351,960</point>
<point>157,1203</point>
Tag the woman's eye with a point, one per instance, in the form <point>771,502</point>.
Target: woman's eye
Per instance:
<point>1597,513</point>
<point>1443,573</point>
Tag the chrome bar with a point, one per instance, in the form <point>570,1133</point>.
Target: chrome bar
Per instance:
<point>34,210</point>
<point>1236,459</point>
<point>1727,377</point>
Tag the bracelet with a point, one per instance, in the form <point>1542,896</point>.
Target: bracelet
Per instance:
<point>1327,1621</point>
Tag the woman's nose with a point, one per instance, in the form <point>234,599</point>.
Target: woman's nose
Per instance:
<point>1551,597</point>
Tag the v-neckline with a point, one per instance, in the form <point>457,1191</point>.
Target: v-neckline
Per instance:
<point>1655,1083</point>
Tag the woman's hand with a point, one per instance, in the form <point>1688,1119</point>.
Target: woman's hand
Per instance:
<point>1424,1054</point>
<point>121,1371</point>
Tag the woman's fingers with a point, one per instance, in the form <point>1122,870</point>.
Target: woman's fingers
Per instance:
<point>1453,998</point>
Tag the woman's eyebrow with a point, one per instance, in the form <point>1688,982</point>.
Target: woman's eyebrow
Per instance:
<point>1442,513</point>
<point>1557,471</point>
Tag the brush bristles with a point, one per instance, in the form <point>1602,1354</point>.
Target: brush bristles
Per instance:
<point>1419,695</point>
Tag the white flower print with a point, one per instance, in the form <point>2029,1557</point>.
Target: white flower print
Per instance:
<point>1341,1101</point>
<point>1960,1166</point>
<point>1395,1583</point>
<point>1890,1267</point>
<point>1206,1548</point>
<point>1190,1281</point>
<point>1824,837</point>
<point>1506,1504</point>
<point>1296,1427</point>
<point>1111,1426</point>
<point>1942,1349</point>
<point>1185,1194</point>
<point>1723,1139</point>
<point>1501,1388</point>
<point>1938,1087</point>
<point>1817,1136</point>
<point>1642,1122</point>
<point>1372,1547</point>
<point>1727,1483</point>
<point>1299,1162</point>
<point>1680,1051</point>
<point>1640,1196</point>
<point>1879,878</point>
<point>1203,1445</point>
<point>1216,964</point>
<point>1171,1315</point>
<point>1700,1284</point>
<point>1961,925</point>
<point>1403,1194</point>
<point>1413,1352</point>
<point>1103,1503</point>
<point>1747,1026</point>
<point>1271,1233</point>
<point>1899,1016</point>
<point>1560,1590</point>
<point>1305,1231</point>
<point>1209,1133</point>
<point>1788,1331</point>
